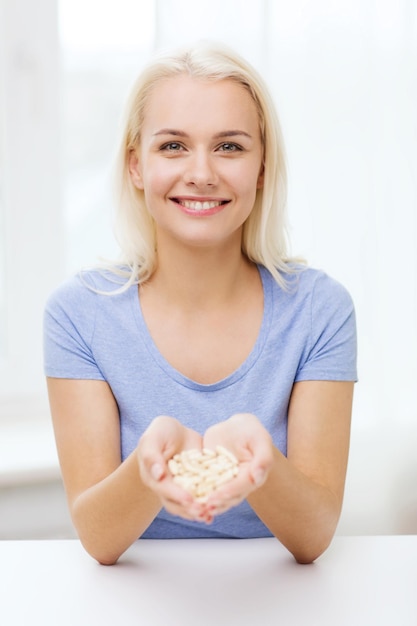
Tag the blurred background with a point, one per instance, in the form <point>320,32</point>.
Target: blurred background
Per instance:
<point>344,77</point>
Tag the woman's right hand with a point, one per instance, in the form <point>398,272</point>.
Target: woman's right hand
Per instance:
<point>163,438</point>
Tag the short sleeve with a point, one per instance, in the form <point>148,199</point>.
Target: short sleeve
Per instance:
<point>331,352</point>
<point>69,322</point>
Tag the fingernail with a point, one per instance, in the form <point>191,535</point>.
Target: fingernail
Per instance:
<point>156,471</point>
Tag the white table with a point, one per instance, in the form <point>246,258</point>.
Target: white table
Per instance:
<point>369,581</point>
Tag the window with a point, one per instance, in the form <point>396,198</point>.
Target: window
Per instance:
<point>31,232</point>
<point>66,74</point>
<point>99,60</point>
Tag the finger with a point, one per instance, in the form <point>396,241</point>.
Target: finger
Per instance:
<point>261,461</point>
<point>258,475</point>
<point>194,511</point>
<point>157,471</point>
<point>193,441</point>
<point>152,467</point>
<point>231,494</point>
<point>224,504</point>
<point>170,492</point>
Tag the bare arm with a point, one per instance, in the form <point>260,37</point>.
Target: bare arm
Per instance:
<point>109,504</point>
<point>113,502</point>
<point>301,500</point>
<point>299,497</point>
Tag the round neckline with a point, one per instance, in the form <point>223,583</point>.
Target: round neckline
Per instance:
<point>238,373</point>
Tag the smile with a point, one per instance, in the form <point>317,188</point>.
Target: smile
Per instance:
<point>198,205</point>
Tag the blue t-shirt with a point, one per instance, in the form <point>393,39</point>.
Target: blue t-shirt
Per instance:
<point>308,332</point>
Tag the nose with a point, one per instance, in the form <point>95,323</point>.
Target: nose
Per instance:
<point>200,170</point>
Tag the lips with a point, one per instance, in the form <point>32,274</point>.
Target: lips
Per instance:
<point>199,205</point>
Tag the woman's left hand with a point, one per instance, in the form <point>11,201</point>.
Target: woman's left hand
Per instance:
<point>245,436</point>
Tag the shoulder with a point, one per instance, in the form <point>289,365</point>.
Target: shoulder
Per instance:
<point>70,310</point>
<point>77,290</point>
<point>85,286</point>
<point>70,322</point>
<point>304,283</point>
<point>321,314</point>
<point>326,300</point>
<point>323,286</point>
<point>78,298</point>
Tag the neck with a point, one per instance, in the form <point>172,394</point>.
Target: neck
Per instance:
<point>200,277</point>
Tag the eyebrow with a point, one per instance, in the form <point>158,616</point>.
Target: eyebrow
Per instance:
<point>224,133</point>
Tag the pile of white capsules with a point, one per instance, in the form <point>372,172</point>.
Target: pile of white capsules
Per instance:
<point>201,472</point>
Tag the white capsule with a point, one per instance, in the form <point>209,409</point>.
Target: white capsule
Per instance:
<point>224,452</point>
<point>201,472</point>
<point>173,466</point>
<point>224,478</point>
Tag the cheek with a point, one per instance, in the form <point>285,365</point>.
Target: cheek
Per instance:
<point>154,187</point>
<point>158,187</point>
<point>158,180</point>
<point>246,179</point>
<point>249,186</point>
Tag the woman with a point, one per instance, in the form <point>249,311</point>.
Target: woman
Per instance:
<point>206,333</point>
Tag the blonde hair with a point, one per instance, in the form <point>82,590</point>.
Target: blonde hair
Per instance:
<point>264,238</point>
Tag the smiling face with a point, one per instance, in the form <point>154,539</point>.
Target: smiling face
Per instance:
<point>199,162</point>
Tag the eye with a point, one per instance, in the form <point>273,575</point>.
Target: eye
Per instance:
<point>230,147</point>
<point>172,146</point>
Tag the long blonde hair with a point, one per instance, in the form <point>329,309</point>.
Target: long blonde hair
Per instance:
<point>264,238</point>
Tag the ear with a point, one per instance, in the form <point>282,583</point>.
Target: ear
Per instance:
<point>260,182</point>
<point>135,170</point>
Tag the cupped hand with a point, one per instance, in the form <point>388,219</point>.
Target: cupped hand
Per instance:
<point>245,436</point>
<point>163,438</point>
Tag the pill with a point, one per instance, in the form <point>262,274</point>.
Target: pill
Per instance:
<point>173,466</point>
<point>223,452</point>
<point>202,471</point>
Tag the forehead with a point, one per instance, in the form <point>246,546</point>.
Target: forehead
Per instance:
<point>184,100</point>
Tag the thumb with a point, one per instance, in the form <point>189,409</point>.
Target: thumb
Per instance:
<point>258,475</point>
<point>157,471</point>
<point>151,462</point>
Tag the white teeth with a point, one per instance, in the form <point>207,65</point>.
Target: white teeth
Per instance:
<point>200,206</point>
